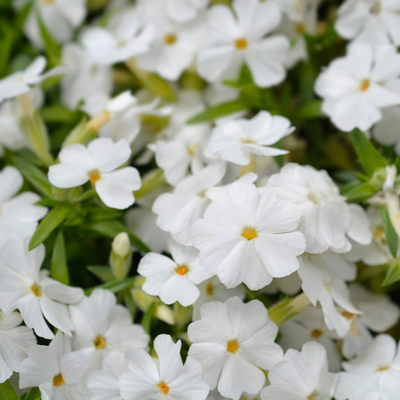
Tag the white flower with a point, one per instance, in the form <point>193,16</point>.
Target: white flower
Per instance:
<point>103,383</point>
<point>374,375</point>
<point>233,341</point>
<point>235,140</point>
<point>84,77</point>
<point>323,284</point>
<point>184,10</point>
<point>59,16</point>
<point>249,235</point>
<point>18,83</point>
<point>42,368</point>
<point>374,22</point>
<point>18,213</point>
<point>178,211</point>
<point>98,164</point>
<point>173,279</point>
<point>233,41</point>
<point>14,343</point>
<point>326,217</point>
<point>100,326</point>
<point>309,325</point>
<point>356,87</point>
<point>125,37</point>
<point>24,287</point>
<point>213,290</point>
<point>301,375</point>
<point>166,378</point>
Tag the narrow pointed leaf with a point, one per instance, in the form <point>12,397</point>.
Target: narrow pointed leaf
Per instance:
<point>103,273</point>
<point>59,267</point>
<point>7,392</point>
<point>391,235</point>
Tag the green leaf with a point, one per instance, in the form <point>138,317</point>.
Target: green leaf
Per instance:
<point>391,235</point>
<point>113,286</point>
<point>103,273</point>
<point>361,192</point>
<point>7,392</point>
<point>34,394</point>
<point>52,220</point>
<point>148,316</point>
<point>309,111</point>
<point>52,48</point>
<point>218,111</point>
<point>393,275</point>
<point>112,228</point>
<point>369,157</point>
<point>101,214</point>
<point>59,267</point>
<point>130,304</point>
<point>57,113</point>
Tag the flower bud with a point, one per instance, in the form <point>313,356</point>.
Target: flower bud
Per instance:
<point>121,255</point>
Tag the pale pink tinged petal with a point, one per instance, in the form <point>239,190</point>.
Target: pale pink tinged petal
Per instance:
<point>57,314</point>
<point>107,155</point>
<point>31,312</point>
<point>181,289</point>
<point>169,356</point>
<point>22,209</point>
<point>240,376</point>
<point>115,188</point>
<point>10,183</point>
<point>59,292</point>
<point>76,365</point>
<point>212,357</point>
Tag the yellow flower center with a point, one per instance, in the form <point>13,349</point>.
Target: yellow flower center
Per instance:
<point>94,176</point>
<point>58,380</point>
<point>364,85</point>
<point>192,149</point>
<point>241,44</point>
<point>315,198</point>
<point>163,388</point>
<point>376,8</point>
<point>249,233</point>
<point>99,342</point>
<point>247,141</point>
<point>209,289</point>
<point>170,39</point>
<point>36,289</point>
<point>382,368</point>
<point>316,333</point>
<point>232,346</point>
<point>46,2</point>
<point>300,29</point>
<point>182,269</point>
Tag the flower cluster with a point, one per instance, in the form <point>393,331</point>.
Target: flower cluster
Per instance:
<point>199,200</point>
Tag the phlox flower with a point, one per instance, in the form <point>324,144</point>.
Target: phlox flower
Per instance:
<point>239,37</point>
<point>173,279</point>
<point>326,218</point>
<point>100,326</point>
<point>184,10</point>
<point>15,341</point>
<point>18,213</point>
<point>236,140</point>
<point>98,163</point>
<point>167,378</point>
<point>42,368</point>
<point>24,287</point>
<point>233,341</point>
<point>301,376</point>
<point>373,375</point>
<point>356,87</point>
<point>249,235</point>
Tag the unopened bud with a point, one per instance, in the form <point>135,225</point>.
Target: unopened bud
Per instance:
<point>121,255</point>
<point>121,244</point>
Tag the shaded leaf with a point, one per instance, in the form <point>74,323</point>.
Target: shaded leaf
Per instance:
<point>7,392</point>
<point>113,286</point>
<point>393,275</point>
<point>52,48</point>
<point>391,236</point>
<point>103,273</point>
<point>59,267</point>
<point>148,317</point>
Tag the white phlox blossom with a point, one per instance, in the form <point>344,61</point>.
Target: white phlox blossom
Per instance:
<point>179,210</point>
<point>301,376</point>
<point>84,77</point>
<point>373,375</point>
<point>15,341</point>
<point>42,368</point>
<point>249,235</point>
<point>19,215</point>
<point>323,280</point>
<point>104,382</point>
<point>185,10</point>
<point>173,279</point>
<point>18,83</point>
<point>100,327</point>
<point>98,163</point>
<point>309,326</point>
<point>234,342</point>
<point>24,287</point>
<point>375,22</point>
<point>236,140</point>
<point>233,41</point>
<point>326,219</point>
<point>356,87</point>
<point>168,378</point>
<point>126,36</point>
